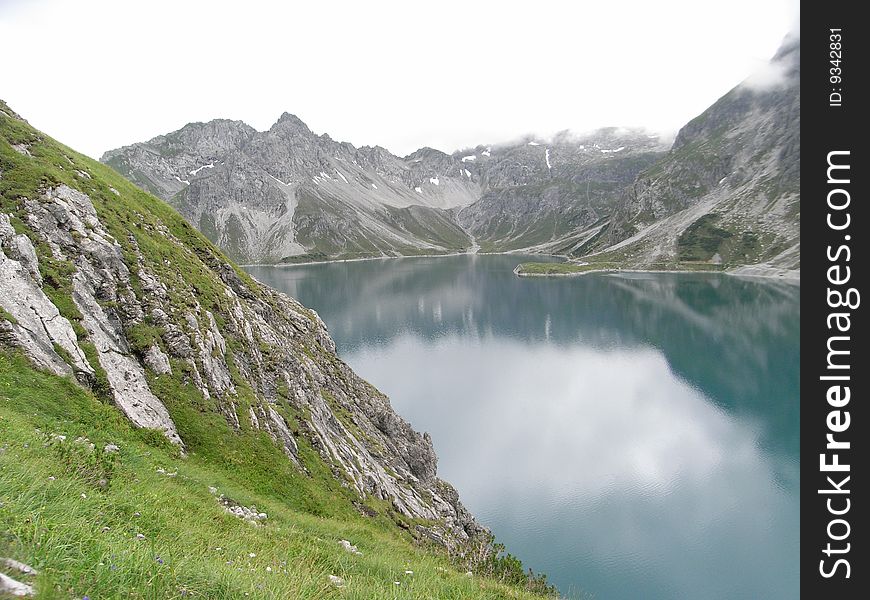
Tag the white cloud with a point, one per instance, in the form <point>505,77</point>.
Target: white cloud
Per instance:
<point>99,74</point>
<point>768,76</point>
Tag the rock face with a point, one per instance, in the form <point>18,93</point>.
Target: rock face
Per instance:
<point>105,282</point>
<point>286,192</point>
<point>537,193</point>
<point>729,189</point>
<point>33,322</point>
<point>272,195</point>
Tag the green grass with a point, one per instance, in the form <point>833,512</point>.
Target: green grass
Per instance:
<point>6,316</point>
<point>702,239</point>
<point>74,514</point>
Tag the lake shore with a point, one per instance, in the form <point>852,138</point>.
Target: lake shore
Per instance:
<point>791,276</point>
<point>372,258</point>
<point>760,271</point>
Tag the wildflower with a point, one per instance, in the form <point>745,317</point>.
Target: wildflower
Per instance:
<point>268,569</point>
<point>159,560</point>
<point>139,536</point>
<point>84,496</point>
<point>251,555</point>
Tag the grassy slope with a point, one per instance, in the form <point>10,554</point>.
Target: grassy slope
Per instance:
<point>49,524</point>
<point>59,526</point>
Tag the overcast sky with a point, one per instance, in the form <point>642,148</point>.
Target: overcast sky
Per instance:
<point>449,74</point>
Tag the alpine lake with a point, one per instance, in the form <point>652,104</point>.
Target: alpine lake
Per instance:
<point>631,435</point>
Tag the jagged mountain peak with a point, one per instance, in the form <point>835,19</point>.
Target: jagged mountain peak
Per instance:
<point>289,122</point>
<point>426,152</point>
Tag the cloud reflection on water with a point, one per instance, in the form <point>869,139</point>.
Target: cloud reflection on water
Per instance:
<point>633,435</point>
<point>599,456</point>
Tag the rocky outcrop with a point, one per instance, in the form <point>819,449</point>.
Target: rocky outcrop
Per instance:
<point>105,282</point>
<point>33,322</point>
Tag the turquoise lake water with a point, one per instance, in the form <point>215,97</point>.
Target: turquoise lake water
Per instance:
<point>632,436</point>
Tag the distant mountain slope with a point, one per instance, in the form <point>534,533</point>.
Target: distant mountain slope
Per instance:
<point>287,193</point>
<point>537,192</point>
<point>729,189</point>
<point>268,196</point>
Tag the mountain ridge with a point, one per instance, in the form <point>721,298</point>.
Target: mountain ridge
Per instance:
<point>724,192</point>
<point>340,201</point>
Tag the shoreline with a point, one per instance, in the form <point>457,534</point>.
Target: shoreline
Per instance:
<point>369,258</point>
<point>767,273</point>
<point>752,272</point>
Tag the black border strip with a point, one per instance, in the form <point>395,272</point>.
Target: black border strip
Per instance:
<point>833,124</point>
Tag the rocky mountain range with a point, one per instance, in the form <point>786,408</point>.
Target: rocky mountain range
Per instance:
<point>726,191</point>
<point>287,193</point>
